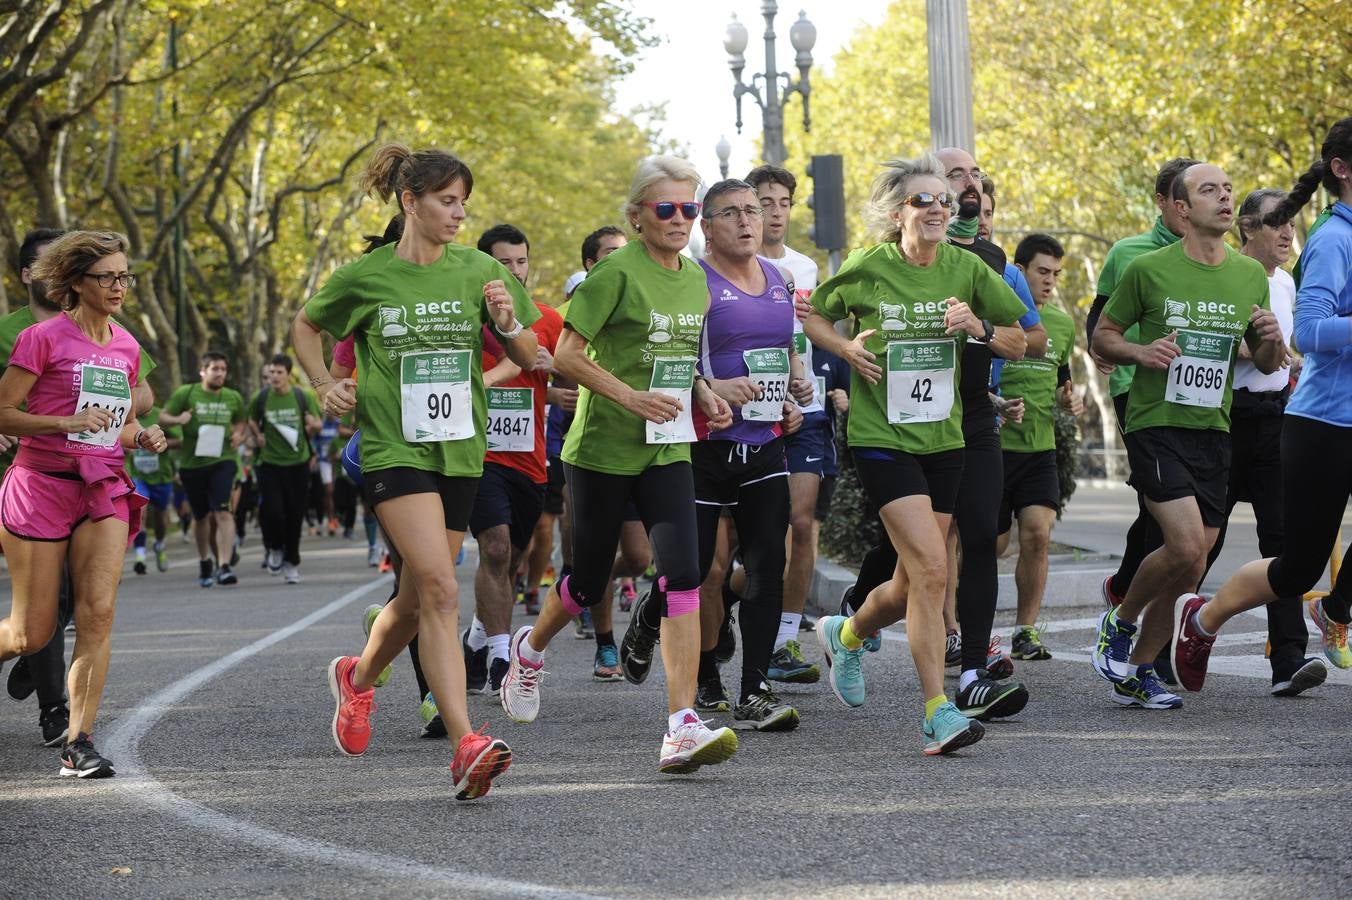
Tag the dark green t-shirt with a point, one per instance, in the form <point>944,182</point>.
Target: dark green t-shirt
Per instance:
<point>419,339</point>
<point>1209,307</point>
<point>221,410</point>
<point>1034,379</point>
<point>641,321</point>
<point>1119,255</point>
<point>915,407</point>
<point>285,442</point>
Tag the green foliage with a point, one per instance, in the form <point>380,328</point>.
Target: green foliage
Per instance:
<point>1067,454</point>
<point>851,526</point>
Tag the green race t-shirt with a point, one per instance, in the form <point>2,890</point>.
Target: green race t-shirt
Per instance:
<point>420,396</point>
<point>1209,307</point>
<point>285,442</point>
<point>220,410</point>
<point>915,407</point>
<point>1119,255</point>
<point>148,466</point>
<point>637,317</point>
<point>1035,380</point>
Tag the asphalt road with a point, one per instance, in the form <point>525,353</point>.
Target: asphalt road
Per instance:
<point>217,715</point>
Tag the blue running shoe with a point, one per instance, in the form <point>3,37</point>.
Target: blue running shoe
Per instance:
<point>1113,650</point>
<point>947,730</point>
<point>845,665</point>
<point>1143,689</point>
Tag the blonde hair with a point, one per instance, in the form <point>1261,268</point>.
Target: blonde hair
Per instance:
<point>69,259</point>
<point>891,187</point>
<point>654,169</point>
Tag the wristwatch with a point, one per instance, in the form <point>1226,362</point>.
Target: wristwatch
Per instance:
<point>509,335</point>
<point>990,330</point>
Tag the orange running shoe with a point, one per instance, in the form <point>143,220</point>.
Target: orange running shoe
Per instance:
<point>385,564</point>
<point>352,709</point>
<point>478,760</point>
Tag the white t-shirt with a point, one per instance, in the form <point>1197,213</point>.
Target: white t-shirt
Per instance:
<point>1282,296</point>
<point>804,272</point>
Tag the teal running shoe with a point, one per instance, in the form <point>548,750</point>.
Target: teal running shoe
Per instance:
<point>947,730</point>
<point>845,665</point>
<point>368,621</point>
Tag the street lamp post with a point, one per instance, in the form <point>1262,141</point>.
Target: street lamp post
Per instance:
<point>724,151</point>
<point>802,35</point>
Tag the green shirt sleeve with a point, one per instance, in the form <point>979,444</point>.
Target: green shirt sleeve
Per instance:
<point>178,400</point>
<point>311,405</point>
<point>1125,304</point>
<point>595,300</point>
<point>332,308</point>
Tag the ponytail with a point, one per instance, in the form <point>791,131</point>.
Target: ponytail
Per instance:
<point>381,178</point>
<point>1337,145</point>
<point>394,168</point>
<point>393,232</point>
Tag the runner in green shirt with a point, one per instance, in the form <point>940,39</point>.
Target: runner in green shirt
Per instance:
<point>417,310</point>
<point>915,300</point>
<point>282,418</point>
<point>214,425</point>
<point>153,474</point>
<point>1032,484</point>
<point>630,340</point>
<point>1193,301</point>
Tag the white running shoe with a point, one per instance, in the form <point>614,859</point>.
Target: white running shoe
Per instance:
<point>273,561</point>
<point>520,692</point>
<point>290,573</point>
<point>374,554</point>
<point>693,744</point>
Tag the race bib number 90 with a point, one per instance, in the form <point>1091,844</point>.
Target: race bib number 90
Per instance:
<point>107,388</point>
<point>920,380</point>
<point>434,388</point>
<point>1197,376</point>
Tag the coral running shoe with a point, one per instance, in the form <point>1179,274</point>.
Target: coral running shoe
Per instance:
<point>352,708</point>
<point>478,760</point>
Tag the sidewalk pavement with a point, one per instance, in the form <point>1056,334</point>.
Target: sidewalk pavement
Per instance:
<point>1096,521</point>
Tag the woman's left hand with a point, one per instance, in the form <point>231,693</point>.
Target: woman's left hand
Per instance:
<point>153,439</point>
<point>500,305</point>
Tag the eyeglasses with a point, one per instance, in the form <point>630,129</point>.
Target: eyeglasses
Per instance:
<point>666,209</point>
<point>106,279</point>
<point>925,199</point>
<point>729,213</point>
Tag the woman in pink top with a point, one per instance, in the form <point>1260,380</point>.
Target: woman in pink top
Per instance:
<point>67,491</point>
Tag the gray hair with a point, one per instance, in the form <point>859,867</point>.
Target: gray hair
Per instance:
<point>654,169</point>
<point>1249,217</point>
<point>891,186</point>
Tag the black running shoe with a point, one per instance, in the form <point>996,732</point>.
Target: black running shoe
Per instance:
<point>497,670</point>
<point>986,698</point>
<point>139,567</point>
<point>1290,680</point>
<point>55,723</point>
<point>952,650</point>
<point>206,573</point>
<point>1164,666</point>
<point>80,760</point>
<point>727,638</point>
<point>20,684</point>
<point>636,650</point>
<point>476,664</point>
<point>763,711</point>
<point>710,696</point>
<point>225,576</point>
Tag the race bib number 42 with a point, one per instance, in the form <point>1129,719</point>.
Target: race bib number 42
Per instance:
<point>511,419</point>
<point>1198,375</point>
<point>434,388</point>
<point>109,389</point>
<point>920,380</point>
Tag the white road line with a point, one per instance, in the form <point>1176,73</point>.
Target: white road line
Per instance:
<point>133,779</point>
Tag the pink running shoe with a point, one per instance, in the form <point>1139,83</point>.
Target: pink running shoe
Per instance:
<point>478,760</point>
<point>352,709</point>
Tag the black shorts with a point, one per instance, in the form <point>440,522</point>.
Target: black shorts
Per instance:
<point>507,497</point>
<point>806,449</point>
<point>1031,479</point>
<point>824,492</point>
<point>888,475</point>
<point>457,491</point>
<point>209,487</point>
<point>722,467</point>
<point>554,488</point>
<point>1172,463</point>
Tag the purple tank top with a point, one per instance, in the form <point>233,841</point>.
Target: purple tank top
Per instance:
<point>736,323</point>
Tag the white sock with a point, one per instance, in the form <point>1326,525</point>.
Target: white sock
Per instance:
<point>967,677</point>
<point>677,719</point>
<point>478,638</point>
<point>141,554</point>
<point>530,655</point>
<point>1197,623</point>
<point>498,645</point>
<point>788,628</point>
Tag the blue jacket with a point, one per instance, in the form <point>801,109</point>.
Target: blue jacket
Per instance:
<point>1323,329</point>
